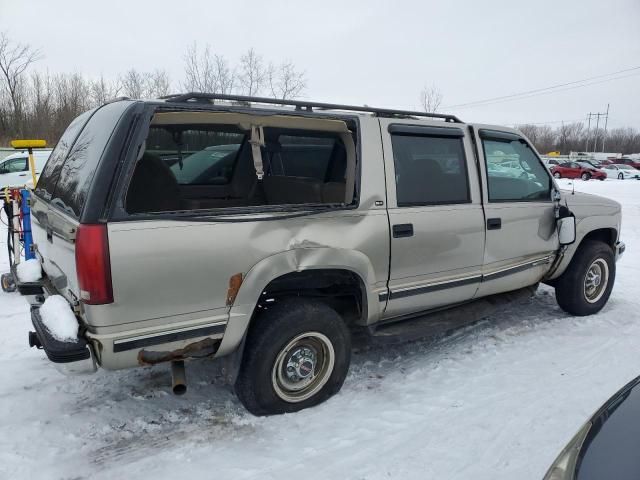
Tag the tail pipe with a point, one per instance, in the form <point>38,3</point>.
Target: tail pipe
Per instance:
<point>178,378</point>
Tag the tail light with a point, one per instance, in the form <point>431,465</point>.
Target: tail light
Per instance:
<point>93,265</point>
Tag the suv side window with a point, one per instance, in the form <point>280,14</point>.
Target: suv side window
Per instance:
<point>514,172</point>
<point>430,170</point>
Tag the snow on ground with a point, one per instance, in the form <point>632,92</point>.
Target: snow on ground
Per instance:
<point>495,401</point>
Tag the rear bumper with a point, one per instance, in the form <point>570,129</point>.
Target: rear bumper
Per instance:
<point>70,357</point>
<point>619,249</point>
<point>27,288</point>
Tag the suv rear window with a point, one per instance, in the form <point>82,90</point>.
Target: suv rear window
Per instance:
<point>49,178</point>
<point>70,170</point>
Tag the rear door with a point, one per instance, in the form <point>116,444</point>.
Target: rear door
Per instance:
<point>62,192</point>
<point>521,237</point>
<point>435,211</point>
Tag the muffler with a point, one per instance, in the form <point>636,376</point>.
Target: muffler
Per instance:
<point>178,378</point>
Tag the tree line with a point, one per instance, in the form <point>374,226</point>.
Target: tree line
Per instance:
<point>578,137</point>
<point>40,104</point>
<point>36,104</point>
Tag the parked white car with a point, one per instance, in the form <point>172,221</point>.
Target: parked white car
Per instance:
<point>14,169</point>
<point>621,172</point>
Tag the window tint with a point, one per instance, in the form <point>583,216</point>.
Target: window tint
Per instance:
<point>304,156</point>
<point>78,169</point>
<point>514,172</point>
<point>51,172</point>
<point>196,156</point>
<point>430,170</point>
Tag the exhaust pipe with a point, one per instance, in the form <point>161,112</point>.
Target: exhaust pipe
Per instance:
<point>178,378</point>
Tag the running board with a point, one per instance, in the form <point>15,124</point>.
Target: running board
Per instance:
<point>434,323</point>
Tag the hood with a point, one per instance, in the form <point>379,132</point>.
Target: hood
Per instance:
<point>587,208</point>
<point>588,199</point>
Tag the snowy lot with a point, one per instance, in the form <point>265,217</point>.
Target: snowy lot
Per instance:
<point>495,401</point>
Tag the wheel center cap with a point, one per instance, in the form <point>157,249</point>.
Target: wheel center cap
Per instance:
<point>305,368</point>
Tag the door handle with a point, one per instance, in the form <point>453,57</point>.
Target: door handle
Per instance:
<point>494,223</point>
<point>403,230</point>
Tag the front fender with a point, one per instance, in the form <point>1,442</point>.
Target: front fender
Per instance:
<point>290,261</point>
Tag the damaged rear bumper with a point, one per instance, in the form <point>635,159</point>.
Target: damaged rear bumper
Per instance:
<point>69,357</point>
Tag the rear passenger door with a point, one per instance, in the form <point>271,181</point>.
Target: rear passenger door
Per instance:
<point>435,211</point>
<point>521,228</point>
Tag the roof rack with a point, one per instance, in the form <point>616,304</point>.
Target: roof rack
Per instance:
<point>196,97</point>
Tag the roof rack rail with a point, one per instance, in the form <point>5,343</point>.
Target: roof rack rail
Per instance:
<point>197,97</point>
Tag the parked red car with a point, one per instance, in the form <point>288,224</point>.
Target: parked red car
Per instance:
<point>627,161</point>
<point>582,170</point>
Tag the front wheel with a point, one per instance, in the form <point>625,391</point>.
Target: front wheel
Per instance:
<point>620,176</point>
<point>557,175</point>
<point>296,356</point>
<point>585,176</point>
<point>584,288</point>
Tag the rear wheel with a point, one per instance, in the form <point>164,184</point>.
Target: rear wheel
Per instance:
<point>584,288</point>
<point>585,176</point>
<point>620,176</point>
<point>557,175</point>
<point>297,355</point>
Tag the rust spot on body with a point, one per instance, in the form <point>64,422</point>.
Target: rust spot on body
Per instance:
<point>203,348</point>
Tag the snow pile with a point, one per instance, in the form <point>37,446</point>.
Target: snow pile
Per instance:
<point>29,270</point>
<point>59,319</point>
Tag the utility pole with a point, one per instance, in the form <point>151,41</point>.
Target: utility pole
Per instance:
<point>606,121</point>
<point>595,134</point>
<point>597,116</point>
<point>586,143</point>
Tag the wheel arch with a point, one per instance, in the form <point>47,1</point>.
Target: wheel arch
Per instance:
<point>607,235</point>
<point>304,270</point>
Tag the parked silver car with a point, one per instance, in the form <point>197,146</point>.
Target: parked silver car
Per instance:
<point>183,228</point>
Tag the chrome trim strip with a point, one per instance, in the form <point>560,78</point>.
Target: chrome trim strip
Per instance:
<point>459,282</point>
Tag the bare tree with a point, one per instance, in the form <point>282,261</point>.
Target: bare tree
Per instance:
<point>103,90</point>
<point>206,72</point>
<point>252,73</point>
<point>430,99</point>
<point>15,59</point>
<point>159,83</point>
<point>134,84</point>
<point>285,81</point>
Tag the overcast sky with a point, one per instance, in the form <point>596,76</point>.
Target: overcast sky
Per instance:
<point>375,52</point>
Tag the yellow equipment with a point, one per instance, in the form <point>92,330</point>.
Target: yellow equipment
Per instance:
<point>30,145</point>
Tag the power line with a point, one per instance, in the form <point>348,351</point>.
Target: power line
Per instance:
<point>550,89</point>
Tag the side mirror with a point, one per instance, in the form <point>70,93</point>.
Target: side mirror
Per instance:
<point>567,230</point>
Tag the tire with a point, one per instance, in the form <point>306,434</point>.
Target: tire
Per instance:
<point>574,292</point>
<point>557,175</point>
<point>620,176</point>
<point>585,176</point>
<point>269,381</point>
<point>8,285</point>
